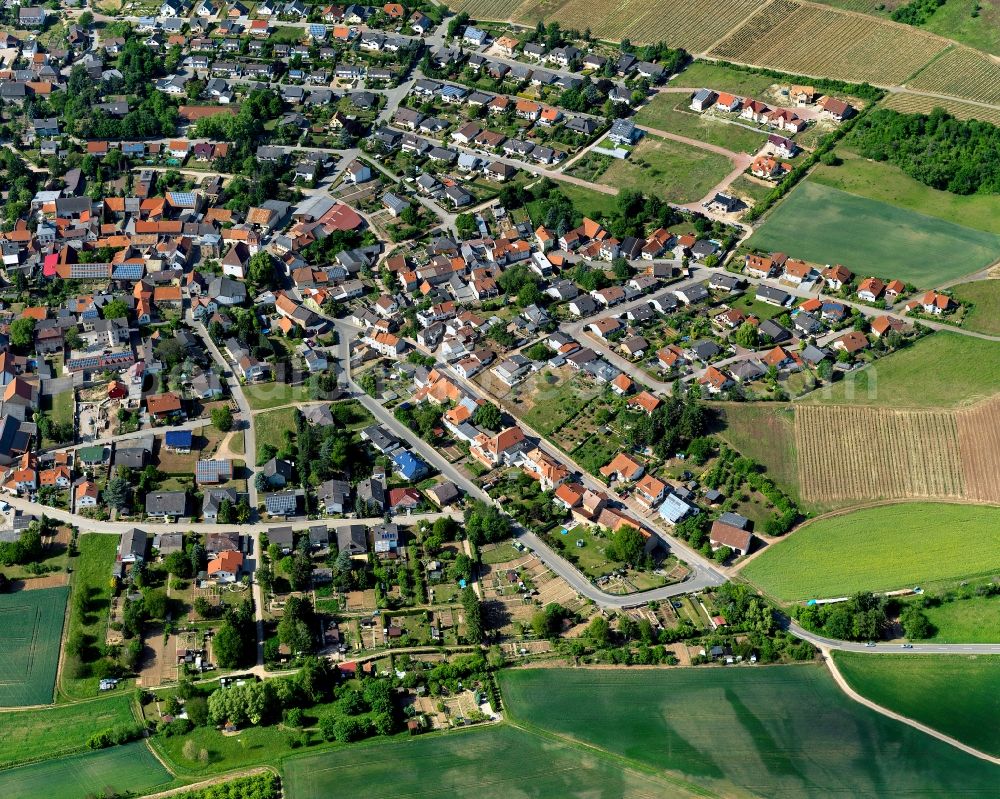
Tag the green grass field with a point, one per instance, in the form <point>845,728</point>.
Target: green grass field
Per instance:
<point>956,694</point>
<point>670,113</point>
<point>31,624</point>
<point>262,396</point>
<point>270,427</point>
<point>553,406</point>
<point>589,202</point>
<point>496,761</point>
<point>955,20</point>
<point>966,621</point>
<point>723,79</point>
<point>28,735</point>
<point>812,222</point>
<point>254,746</point>
<point>91,574</point>
<point>119,769</point>
<point>675,172</point>
<point>985,315</point>
<point>939,371</point>
<point>782,732</point>
<point>765,432</point>
<point>880,549</point>
<point>886,183</point>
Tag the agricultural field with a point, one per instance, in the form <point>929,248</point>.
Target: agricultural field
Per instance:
<point>670,113</point>
<point>979,444</point>
<point>120,769</point>
<point>675,172</point>
<point>985,297</point>
<point>909,103</point>
<point>788,731</point>
<point>464,764</point>
<point>863,453</point>
<point>966,621</point>
<point>764,432</point>
<point>961,72</point>
<point>680,23</point>
<point>809,40</point>
<point>28,735</point>
<point>31,624</point>
<point>885,240</point>
<point>955,20</point>
<point>860,550</point>
<point>888,184</point>
<point>955,694</point>
<point>939,371</point>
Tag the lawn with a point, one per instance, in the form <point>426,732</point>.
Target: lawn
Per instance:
<point>254,746</point>
<point>885,240</point>
<point>673,171</point>
<point>270,427</point>
<point>670,113</point>
<point>880,549</point>
<point>59,408</point>
<point>775,731</point>
<point>939,371</point>
<point>955,694</point>
<point>497,761</point>
<point>120,769</point>
<point>966,621</point>
<point>884,182</point>
<point>766,433</point>
<point>28,735</point>
<point>985,297</point>
<point>262,396</point>
<point>92,576</point>
<point>31,625</point>
<point>724,79</point>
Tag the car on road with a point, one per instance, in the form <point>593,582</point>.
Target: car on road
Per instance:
<point>907,646</point>
<point>870,643</point>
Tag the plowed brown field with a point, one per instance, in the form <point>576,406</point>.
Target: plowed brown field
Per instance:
<point>979,444</point>
<point>867,453</point>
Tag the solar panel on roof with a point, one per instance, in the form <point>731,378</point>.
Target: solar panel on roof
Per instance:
<point>179,198</point>
<point>128,272</point>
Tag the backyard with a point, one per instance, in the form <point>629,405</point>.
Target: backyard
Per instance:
<point>985,298</point>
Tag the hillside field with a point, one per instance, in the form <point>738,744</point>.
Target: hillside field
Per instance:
<point>966,621</point>
<point>886,183</point>
<point>775,731</point>
<point>942,370</point>
<point>880,549</point>
<point>131,767</point>
<point>27,735</point>
<point>955,694</point>
<point>31,624</point>
<point>497,761</point>
<point>985,297</point>
<point>812,223</point>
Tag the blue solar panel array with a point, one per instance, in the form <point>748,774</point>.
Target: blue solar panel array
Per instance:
<point>128,272</point>
<point>181,199</point>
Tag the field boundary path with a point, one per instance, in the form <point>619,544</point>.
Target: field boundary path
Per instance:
<point>861,700</point>
<point>218,780</point>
